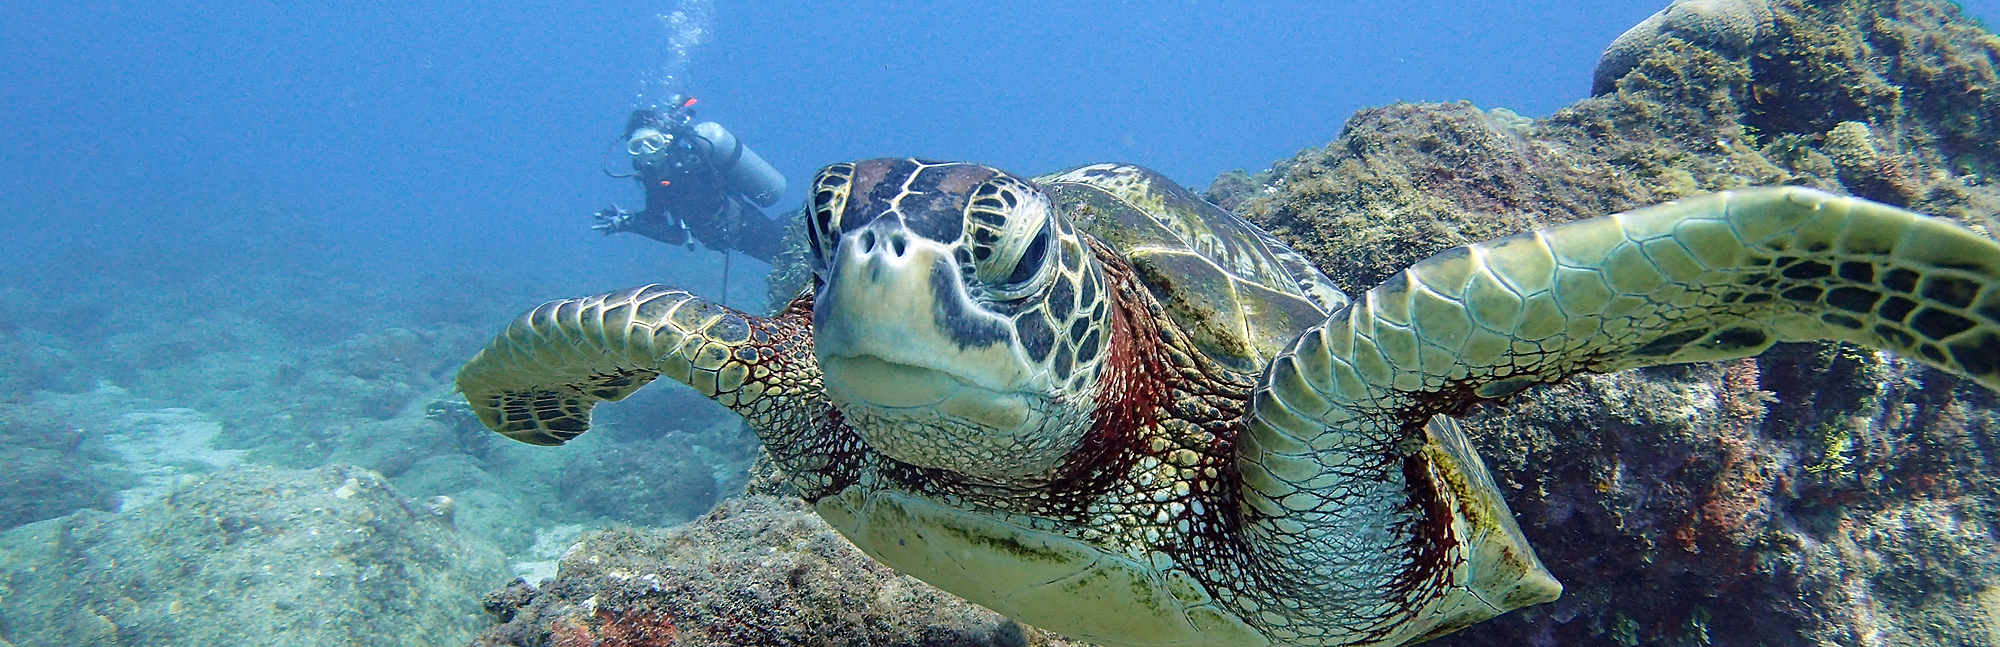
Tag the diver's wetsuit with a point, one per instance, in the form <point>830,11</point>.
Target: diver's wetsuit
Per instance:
<point>711,211</point>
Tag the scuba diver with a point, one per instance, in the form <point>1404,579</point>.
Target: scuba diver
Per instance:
<point>700,181</point>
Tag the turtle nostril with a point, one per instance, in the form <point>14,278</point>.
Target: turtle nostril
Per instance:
<point>898,242</point>
<point>867,241</point>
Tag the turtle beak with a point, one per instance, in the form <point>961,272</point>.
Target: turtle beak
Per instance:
<point>897,297</point>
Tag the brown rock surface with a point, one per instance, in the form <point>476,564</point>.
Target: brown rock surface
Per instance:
<point>757,570</point>
<point>1892,100</point>
<point>287,558</point>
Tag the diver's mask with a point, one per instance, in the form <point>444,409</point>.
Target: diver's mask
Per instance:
<point>649,147</point>
<point>654,150</point>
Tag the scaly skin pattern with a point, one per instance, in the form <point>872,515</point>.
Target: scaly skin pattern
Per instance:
<point>1325,501</point>
<point>1715,277</point>
<point>537,381</point>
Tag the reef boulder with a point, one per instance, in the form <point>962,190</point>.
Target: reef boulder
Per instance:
<point>1729,26</point>
<point>1896,101</point>
<point>331,556</point>
<point>756,570</point>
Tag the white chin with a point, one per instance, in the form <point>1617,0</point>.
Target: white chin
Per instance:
<point>887,386</point>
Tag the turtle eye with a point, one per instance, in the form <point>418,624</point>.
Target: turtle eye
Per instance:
<point>1009,226</point>
<point>828,200</point>
<point>812,239</point>
<point>1031,260</point>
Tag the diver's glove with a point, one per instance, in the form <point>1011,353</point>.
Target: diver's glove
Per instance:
<point>667,230</point>
<point>613,220</point>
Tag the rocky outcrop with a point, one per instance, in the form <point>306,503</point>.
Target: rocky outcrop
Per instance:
<point>1891,100</point>
<point>331,556</point>
<point>1730,27</point>
<point>46,470</point>
<point>756,570</point>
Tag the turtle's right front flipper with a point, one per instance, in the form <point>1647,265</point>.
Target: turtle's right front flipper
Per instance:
<point>1371,500</point>
<point>537,380</point>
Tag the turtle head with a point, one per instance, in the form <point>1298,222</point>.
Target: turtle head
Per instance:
<point>959,318</point>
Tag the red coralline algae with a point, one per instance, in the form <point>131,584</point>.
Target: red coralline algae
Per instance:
<point>639,627</point>
<point>1737,502</point>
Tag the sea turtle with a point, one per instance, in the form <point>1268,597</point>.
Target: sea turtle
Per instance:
<point>1096,404</point>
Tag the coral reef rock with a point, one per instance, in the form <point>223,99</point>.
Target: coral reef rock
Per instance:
<point>1729,26</point>
<point>331,556</point>
<point>653,484</point>
<point>46,470</point>
<point>1819,494</point>
<point>756,570</point>
<point>1896,101</point>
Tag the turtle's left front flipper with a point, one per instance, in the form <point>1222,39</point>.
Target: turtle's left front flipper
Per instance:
<point>1343,438</point>
<point>537,381</point>
<point>1715,277</point>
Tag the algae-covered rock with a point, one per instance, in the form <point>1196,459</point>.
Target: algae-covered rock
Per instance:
<point>331,556</point>
<point>646,483</point>
<point>46,471</point>
<point>1730,26</point>
<point>1893,100</point>
<point>755,571</point>
<point>792,269</point>
<point>1702,505</point>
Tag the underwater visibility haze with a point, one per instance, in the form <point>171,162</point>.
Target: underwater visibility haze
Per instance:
<point>252,245</point>
<point>468,134</point>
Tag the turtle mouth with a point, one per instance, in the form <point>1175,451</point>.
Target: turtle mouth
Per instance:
<point>897,313</point>
<point>890,387</point>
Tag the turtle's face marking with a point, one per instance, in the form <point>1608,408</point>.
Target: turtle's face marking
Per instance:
<point>960,320</point>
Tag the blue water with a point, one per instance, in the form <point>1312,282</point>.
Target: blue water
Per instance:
<point>410,137</point>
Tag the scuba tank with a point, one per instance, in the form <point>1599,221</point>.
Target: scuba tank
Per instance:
<point>744,169</point>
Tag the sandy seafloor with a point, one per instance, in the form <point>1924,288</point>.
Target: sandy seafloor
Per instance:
<point>121,392</point>
<point>128,390</point>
